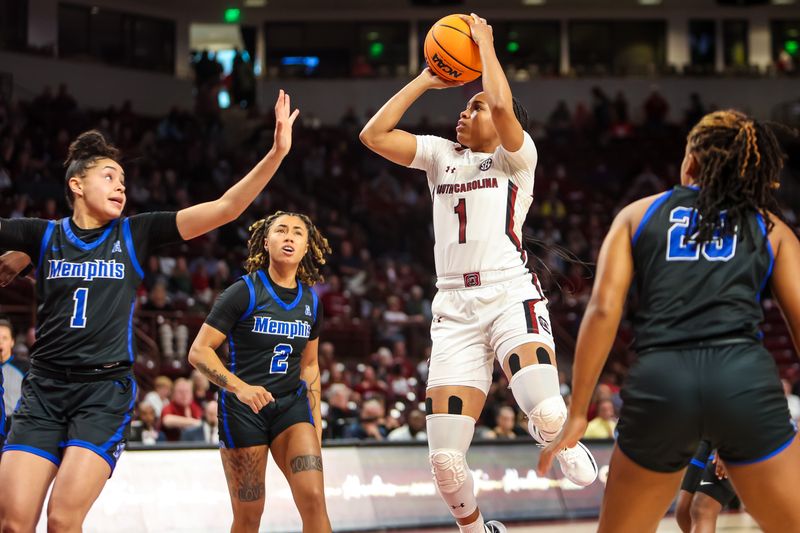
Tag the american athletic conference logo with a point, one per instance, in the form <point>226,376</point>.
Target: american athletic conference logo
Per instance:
<point>486,164</point>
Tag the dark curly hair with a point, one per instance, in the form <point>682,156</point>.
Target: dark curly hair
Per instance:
<point>740,162</point>
<point>318,248</point>
<point>83,153</point>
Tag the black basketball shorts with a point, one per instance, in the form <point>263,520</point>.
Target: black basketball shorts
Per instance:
<point>240,427</point>
<point>53,415</point>
<point>729,395</point>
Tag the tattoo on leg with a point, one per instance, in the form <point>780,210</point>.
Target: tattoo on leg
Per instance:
<point>245,473</point>
<point>213,375</point>
<point>302,463</point>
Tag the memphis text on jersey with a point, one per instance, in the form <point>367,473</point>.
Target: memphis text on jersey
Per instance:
<point>474,185</point>
<point>268,326</point>
<point>97,269</point>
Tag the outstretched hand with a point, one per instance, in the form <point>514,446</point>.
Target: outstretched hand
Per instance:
<point>284,120</point>
<point>571,433</point>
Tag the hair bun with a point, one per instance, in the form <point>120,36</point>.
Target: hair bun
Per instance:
<point>90,145</point>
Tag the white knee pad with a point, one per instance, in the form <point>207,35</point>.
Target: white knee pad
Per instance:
<point>536,390</point>
<point>449,437</point>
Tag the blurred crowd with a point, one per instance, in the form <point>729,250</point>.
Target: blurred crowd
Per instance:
<point>379,281</point>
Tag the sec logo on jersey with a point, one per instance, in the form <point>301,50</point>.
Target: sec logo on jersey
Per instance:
<point>486,164</point>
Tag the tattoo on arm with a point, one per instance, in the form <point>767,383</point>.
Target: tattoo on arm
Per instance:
<point>213,375</point>
<point>302,463</point>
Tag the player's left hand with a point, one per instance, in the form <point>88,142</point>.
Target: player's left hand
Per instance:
<point>481,31</point>
<point>571,433</point>
<point>284,120</point>
<point>11,264</point>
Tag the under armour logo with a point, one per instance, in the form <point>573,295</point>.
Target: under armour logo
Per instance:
<point>450,170</point>
<point>117,248</point>
<point>486,164</point>
<point>308,310</point>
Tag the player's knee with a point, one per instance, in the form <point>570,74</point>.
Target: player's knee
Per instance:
<point>450,470</point>
<point>536,390</point>
<point>449,437</point>
<point>60,519</point>
<point>310,500</point>
<point>12,525</point>
<point>704,509</point>
<point>682,514</point>
<point>248,516</point>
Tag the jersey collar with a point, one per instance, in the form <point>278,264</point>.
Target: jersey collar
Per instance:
<point>268,284</point>
<point>77,241</point>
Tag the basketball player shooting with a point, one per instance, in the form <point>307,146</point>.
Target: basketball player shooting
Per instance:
<point>488,303</point>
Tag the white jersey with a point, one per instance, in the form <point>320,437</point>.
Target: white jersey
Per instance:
<point>480,202</point>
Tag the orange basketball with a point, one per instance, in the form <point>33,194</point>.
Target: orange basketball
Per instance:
<point>450,51</point>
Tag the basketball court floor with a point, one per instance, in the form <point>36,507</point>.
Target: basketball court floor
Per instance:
<point>729,522</point>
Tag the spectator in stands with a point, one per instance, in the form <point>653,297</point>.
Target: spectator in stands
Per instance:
<point>371,424</point>
<point>208,430</point>
<point>340,416</point>
<point>14,371</point>
<point>413,429</point>
<point>656,109</point>
<point>159,397</point>
<point>202,388</point>
<point>173,335</point>
<point>182,412</point>
<point>505,422</point>
<point>695,112</point>
<point>145,428</point>
<point>394,320</point>
<point>604,424</point>
<point>180,280</point>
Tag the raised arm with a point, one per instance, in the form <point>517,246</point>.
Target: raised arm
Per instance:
<point>309,372</point>
<point>203,356</point>
<point>202,218</point>
<point>495,86</point>
<point>598,329</point>
<point>381,135</point>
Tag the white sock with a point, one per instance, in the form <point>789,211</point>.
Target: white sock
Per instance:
<point>475,527</point>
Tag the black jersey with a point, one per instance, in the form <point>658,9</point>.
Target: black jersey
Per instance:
<point>86,282</point>
<point>689,293</point>
<point>268,327</point>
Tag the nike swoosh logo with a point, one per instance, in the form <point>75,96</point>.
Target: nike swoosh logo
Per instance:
<point>260,307</point>
<point>55,248</point>
<point>706,482</point>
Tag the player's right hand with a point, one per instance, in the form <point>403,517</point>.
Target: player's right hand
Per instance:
<point>11,264</point>
<point>255,397</point>
<point>571,433</point>
<point>432,81</point>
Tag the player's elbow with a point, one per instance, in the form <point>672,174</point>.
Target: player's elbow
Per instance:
<point>367,136</point>
<point>195,355</point>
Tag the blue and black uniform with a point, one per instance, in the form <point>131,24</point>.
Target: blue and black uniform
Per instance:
<point>701,476</point>
<point>80,390</point>
<point>702,372</point>
<point>268,327</point>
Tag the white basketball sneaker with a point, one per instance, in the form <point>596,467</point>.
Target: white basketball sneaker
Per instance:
<point>578,465</point>
<point>493,526</point>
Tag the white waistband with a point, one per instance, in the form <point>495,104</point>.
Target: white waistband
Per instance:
<point>474,280</point>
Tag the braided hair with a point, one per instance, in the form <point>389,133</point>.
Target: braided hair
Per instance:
<point>521,113</point>
<point>84,152</point>
<point>740,162</point>
<point>308,270</point>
